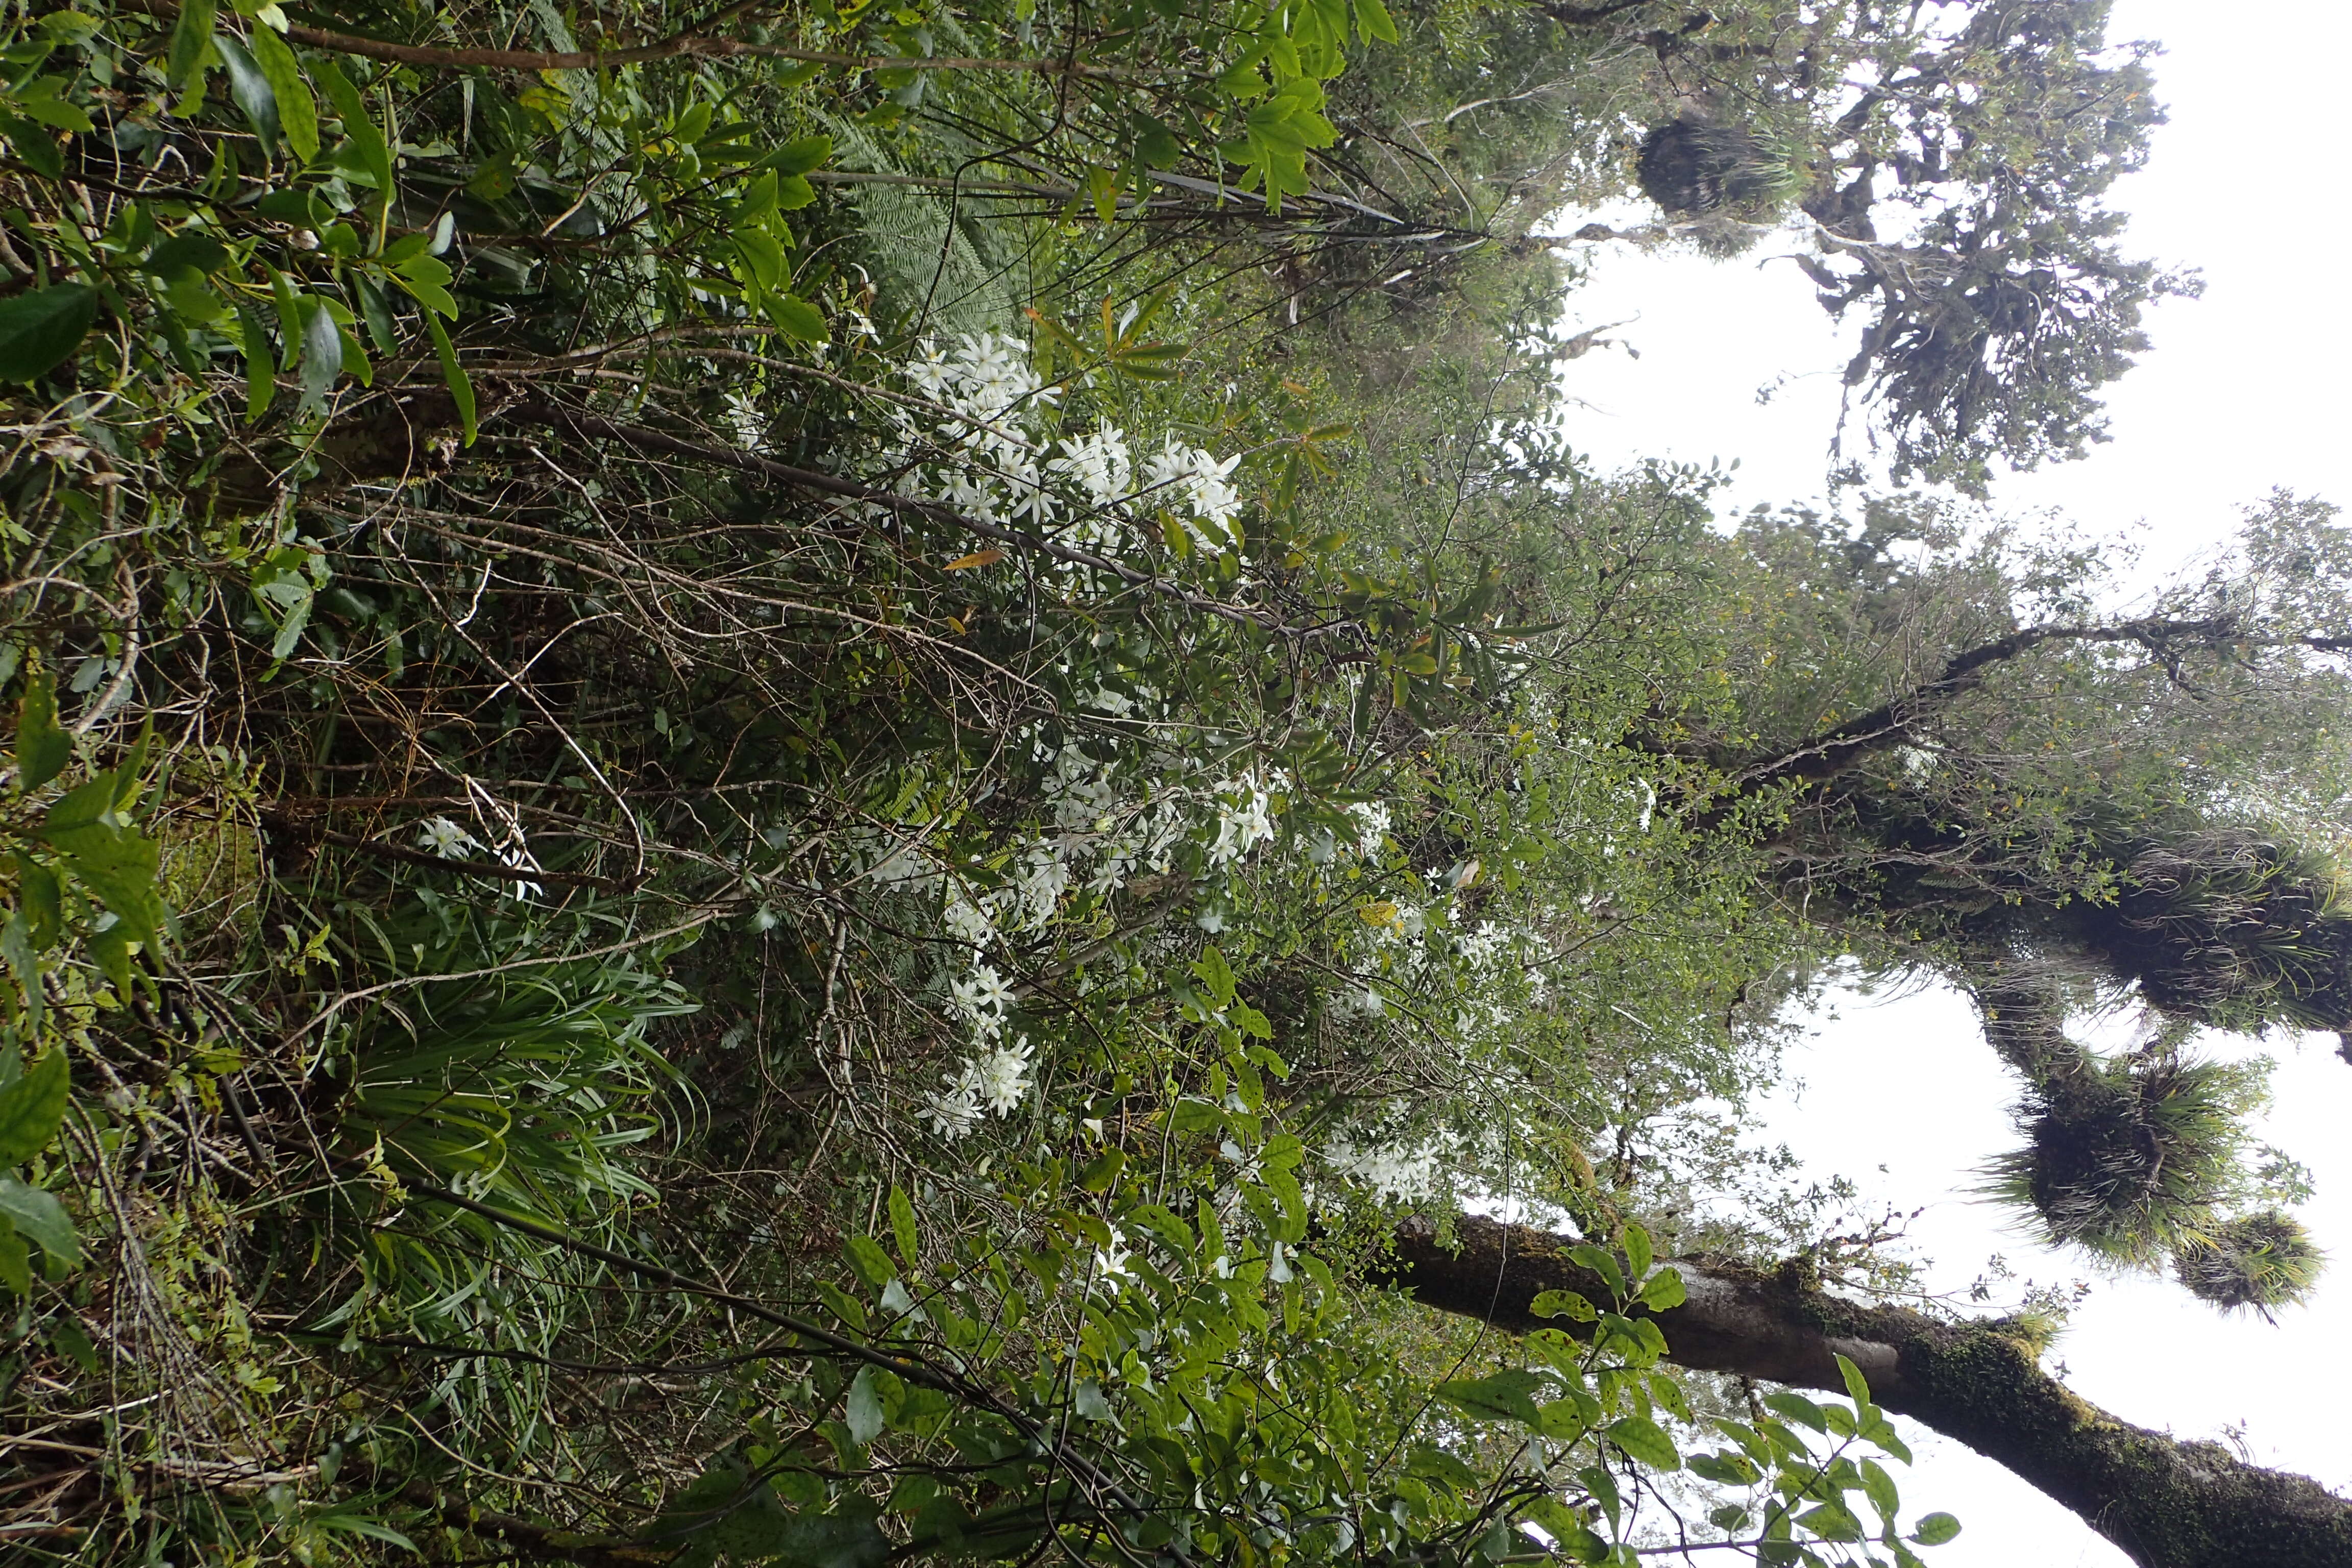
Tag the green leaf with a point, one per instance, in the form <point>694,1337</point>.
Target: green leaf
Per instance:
<point>871,1264</point>
<point>1372,21</point>
<point>1879,1487</point>
<point>44,902</point>
<point>190,36</point>
<point>797,318</point>
<point>1100,1172</point>
<point>43,747</point>
<point>39,1217</point>
<point>902,1226</point>
<point>1832,1522</point>
<point>1935,1530</point>
<point>1599,1260</point>
<point>367,142</point>
<point>249,86</point>
<point>43,100</point>
<point>119,866</point>
<point>863,1410</point>
<point>31,1108</point>
<point>1855,1385</point>
<point>1798,1409</point>
<point>297,112</point>
<point>1664,1291</point>
<point>1638,1253</point>
<point>1563,1304</point>
<point>1646,1441</point>
<point>35,146</point>
<point>322,348</point>
<point>15,1260</point>
<point>1508,1395</point>
<point>40,328</point>
<point>797,157</point>
<point>461,390</point>
<point>1216,975</point>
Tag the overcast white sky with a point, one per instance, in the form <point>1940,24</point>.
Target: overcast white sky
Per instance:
<point>2244,391</point>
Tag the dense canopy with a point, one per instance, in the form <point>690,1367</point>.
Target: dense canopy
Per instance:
<point>853,784</point>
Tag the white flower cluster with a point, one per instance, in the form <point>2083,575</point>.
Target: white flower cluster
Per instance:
<point>996,465</point>
<point>992,1081</point>
<point>1372,826</point>
<point>1401,1174</point>
<point>1245,818</point>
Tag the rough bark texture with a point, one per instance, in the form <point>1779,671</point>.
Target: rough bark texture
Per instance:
<point>2167,1504</point>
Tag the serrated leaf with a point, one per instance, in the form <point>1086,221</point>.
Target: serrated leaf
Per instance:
<point>32,1107</point>
<point>39,329</point>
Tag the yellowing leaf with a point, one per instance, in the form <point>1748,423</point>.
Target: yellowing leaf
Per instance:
<point>976,559</point>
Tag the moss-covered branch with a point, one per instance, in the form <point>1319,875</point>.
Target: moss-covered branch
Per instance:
<point>2166,1502</point>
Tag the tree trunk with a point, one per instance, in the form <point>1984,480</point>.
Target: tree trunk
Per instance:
<point>2167,1504</point>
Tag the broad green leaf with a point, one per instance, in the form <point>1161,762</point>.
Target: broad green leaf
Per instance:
<point>1832,1522</point>
<point>41,328</point>
<point>1855,1383</point>
<point>1563,1304</point>
<point>322,348</point>
<point>1798,1409</point>
<point>44,902</point>
<point>43,747</point>
<point>902,1225</point>
<point>1637,1251</point>
<point>1935,1530</point>
<point>40,1218</point>
<point>119,865</point>
<point>1646,1441</point>
<point>1216,975</point>
<point>1100,1173</point>
<point>796,318</point>
<point>15,1259</point>
<point>34,145</point>
<point>1507,1395</point>
<point>862,1411</point>
<point>298,114</point>
<point>1664,1292</point>
<point>32,1107</point>
<point>798,157</point>
<point>1599,1260</point>
<point>249,86</point>
<point>1880,1487</point>
<point>192,37</point>
<point>871,1264</point>
<point>461,390</point>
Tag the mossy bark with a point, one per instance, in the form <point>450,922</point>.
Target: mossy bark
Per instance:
<point>2167,1504</point>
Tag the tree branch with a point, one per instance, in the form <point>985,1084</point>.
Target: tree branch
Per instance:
<point>2165,1502</point>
